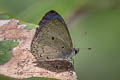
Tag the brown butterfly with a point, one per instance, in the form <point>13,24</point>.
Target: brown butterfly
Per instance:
<point>52,39</point>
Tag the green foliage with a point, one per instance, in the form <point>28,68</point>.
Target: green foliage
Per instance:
<point>99,31</point>
<point>5,50</point>
<point>30,26</point>
<point>32,11</point>
<point>4,16</point>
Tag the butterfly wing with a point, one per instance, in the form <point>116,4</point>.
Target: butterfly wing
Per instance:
<point>52,39</point>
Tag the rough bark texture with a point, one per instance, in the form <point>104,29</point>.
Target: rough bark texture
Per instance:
<point>23,64</point>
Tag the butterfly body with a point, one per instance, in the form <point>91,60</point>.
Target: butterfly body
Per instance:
<point>52,39</point>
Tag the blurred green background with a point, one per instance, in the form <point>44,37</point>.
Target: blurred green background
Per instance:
<point>92,23</point>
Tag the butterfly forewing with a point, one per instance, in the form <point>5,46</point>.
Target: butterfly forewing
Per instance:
<point>52,39</point>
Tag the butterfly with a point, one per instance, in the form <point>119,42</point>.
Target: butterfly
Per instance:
<point>52,40</point>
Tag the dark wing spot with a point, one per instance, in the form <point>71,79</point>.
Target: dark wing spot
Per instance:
<point>47,57</point>
<point>43,49</point>
<point>53,38</point>
<point>57,67</point>
<point>63,47</point>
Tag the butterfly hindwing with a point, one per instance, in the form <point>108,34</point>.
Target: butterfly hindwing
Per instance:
<point>52,39</point>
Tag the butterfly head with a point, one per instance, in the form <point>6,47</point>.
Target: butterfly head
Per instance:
<point>75,51</point>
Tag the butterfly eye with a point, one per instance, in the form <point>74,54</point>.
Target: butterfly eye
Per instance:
<point>53,38</point>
